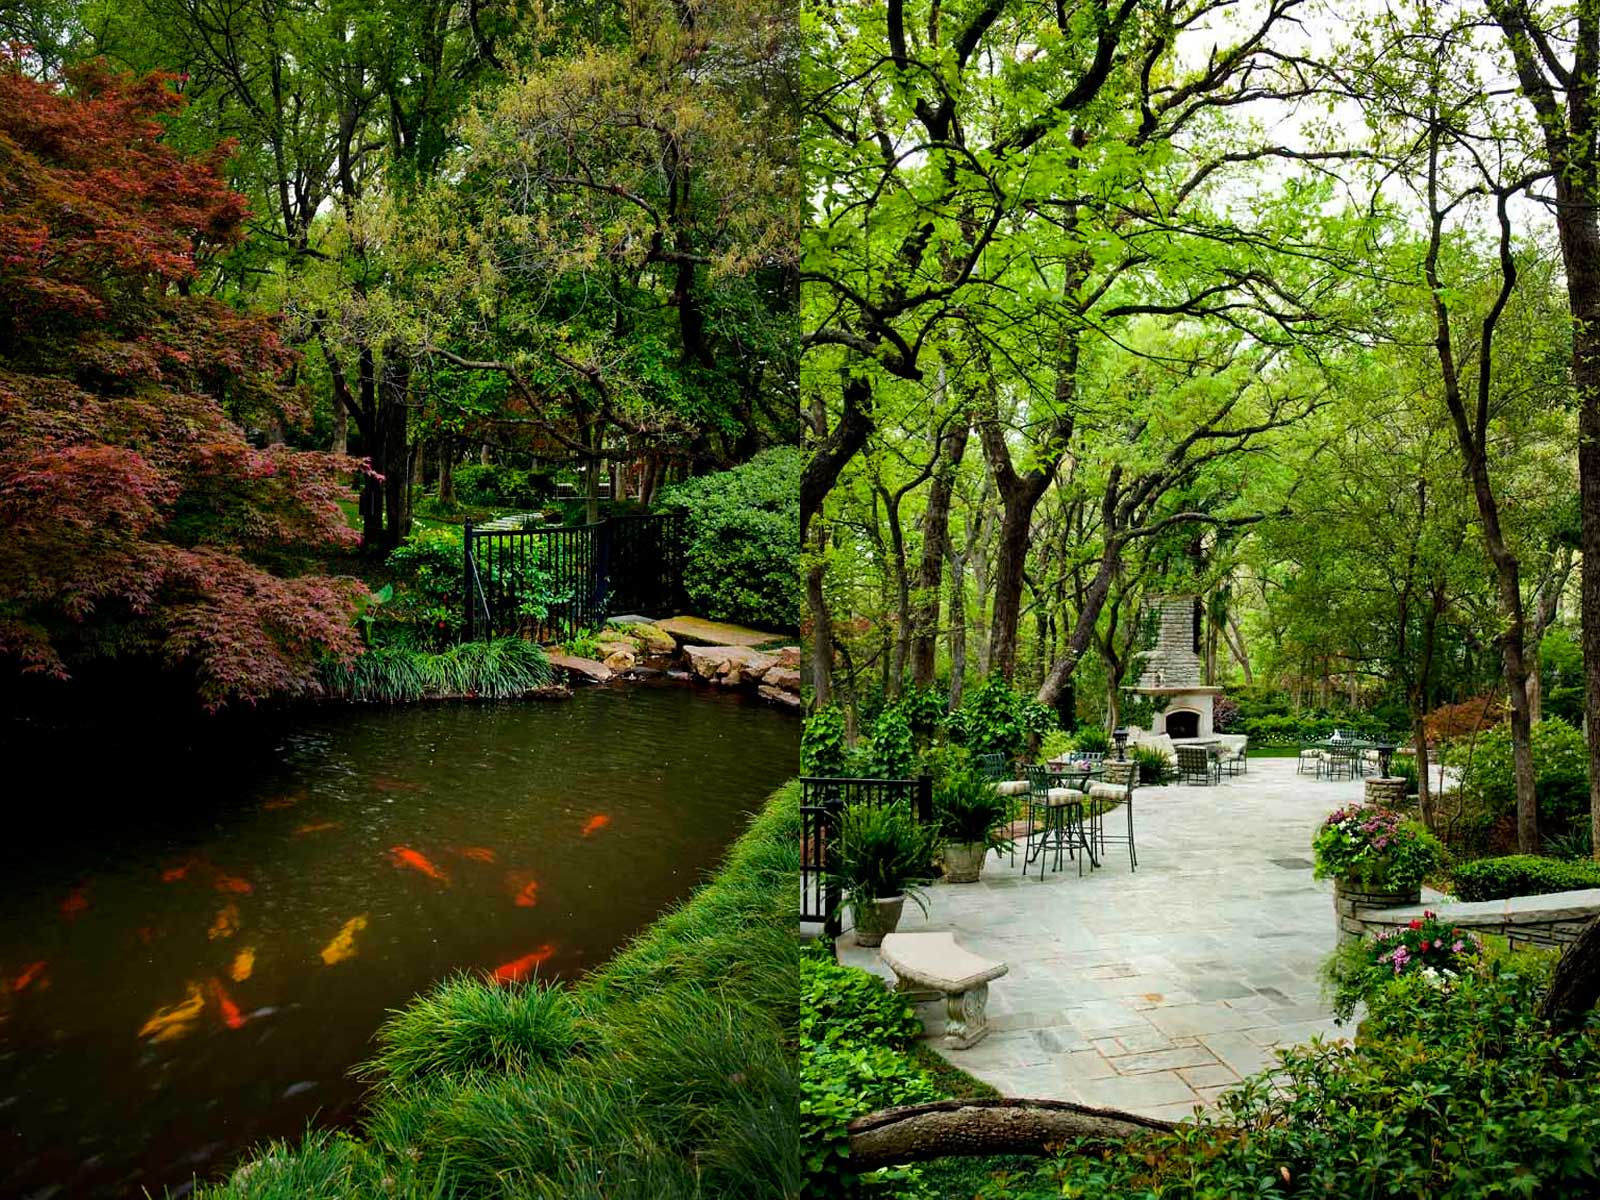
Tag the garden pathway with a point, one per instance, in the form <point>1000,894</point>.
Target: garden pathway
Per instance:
<point>1152,991</point>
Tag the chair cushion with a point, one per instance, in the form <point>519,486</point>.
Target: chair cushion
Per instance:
<point>1108,791</point>
<point>1012,787</point>
<point>1063,795</point>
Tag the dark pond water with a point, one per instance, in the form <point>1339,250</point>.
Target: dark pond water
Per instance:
<point>196,945</point>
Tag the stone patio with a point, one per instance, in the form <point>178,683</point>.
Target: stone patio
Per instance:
<point>1152,991</point>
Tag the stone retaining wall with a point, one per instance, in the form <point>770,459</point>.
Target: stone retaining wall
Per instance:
<point>1551,920</point>
<point>1386,793</point>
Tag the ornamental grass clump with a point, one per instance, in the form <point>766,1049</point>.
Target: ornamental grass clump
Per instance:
<point>1428,948</point>
<point>1375,849</point>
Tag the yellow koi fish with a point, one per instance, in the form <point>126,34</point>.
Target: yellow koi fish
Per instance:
<point>343,945</point>
<point>244,963</point>
<point>175,1020</point>
<point>226,924</point>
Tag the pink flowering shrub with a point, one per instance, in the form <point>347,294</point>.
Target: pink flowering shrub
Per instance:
<point>1427,948</point>
<point>1375,848</point>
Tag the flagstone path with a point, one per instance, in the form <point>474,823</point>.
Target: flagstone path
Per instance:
<point>1153,991</point>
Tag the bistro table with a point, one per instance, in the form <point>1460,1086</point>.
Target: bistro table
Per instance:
<point>1076,774</point>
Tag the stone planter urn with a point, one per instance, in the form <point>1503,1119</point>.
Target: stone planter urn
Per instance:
<point>876,919</point>
<point>1351,894</point>
<point>963,861</point>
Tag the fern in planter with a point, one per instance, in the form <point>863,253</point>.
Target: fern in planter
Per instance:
<point>1154,766</point>
<point>968,810</point>
<point>879,855</point>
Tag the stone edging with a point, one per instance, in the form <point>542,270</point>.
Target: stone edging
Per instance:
<point>1554,919</point>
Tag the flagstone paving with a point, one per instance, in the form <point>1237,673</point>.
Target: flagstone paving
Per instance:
<point>1153,991</point>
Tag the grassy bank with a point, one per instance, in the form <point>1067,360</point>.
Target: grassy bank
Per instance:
<point>667,1074</point>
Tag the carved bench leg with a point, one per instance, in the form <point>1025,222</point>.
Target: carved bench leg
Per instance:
<point>966,1017</point>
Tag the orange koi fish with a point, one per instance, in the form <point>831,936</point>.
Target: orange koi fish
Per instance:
<point>519,969</point>
<point>232,883</point>
<point>173,874</point>
<point>226,924</point>
<point>175,1020</point>
<point>318,828</point>
<point>76,904</point>
<point>387,783</point>
<point>524,890</point>
<point>29,973</point>
<point>244,964</point>
<point>478,853</point>
<point>147,934</point>
<point>405,856</point>
<point>288,801</point>
<point>595,824</point>
<point>231,1016</point>
<point>343,945</point>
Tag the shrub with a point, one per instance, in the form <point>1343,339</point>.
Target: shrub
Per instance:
<point>853,1034</point>
<point>742,552</point>
<point>1092,739</point>
<point>1522,875</point>
<point>1375,848</point>
<point>1458,1093</point>
<point>500,486</point>
<point>996,719</point>
<point>1224,713</point>
<point>1560,768</point>
<point>1056,744</point>
<point>889,744</point>
<point>1428,947</point>
<point>430,594</point>
<point>822,742</point>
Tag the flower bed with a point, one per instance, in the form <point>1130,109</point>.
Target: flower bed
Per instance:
<point>1427,947</point>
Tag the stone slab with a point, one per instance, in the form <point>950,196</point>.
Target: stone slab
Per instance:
<point>586,668</point>
<point>697,631</point>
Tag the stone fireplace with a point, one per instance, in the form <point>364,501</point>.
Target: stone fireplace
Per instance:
<point>1171,675</point>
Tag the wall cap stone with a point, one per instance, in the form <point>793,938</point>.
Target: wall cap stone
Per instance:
<point>1514,910</point>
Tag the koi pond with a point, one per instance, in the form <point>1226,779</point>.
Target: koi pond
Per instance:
<point>196,947</point>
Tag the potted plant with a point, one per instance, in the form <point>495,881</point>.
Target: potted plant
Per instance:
<point>968,812</point>
<point>1433,951</point>
<point>1377,858</point>
<point>879,857</point>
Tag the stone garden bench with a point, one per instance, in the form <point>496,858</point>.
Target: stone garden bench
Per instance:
<point>933,962</point>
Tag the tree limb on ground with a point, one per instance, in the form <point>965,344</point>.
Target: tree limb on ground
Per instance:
<point>969,1128</point>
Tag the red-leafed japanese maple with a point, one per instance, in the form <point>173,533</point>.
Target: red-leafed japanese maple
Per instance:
<point>135,517</point>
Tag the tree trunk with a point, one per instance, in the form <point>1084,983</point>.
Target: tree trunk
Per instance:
<point>341,427</point>
<point>935,549</point>
<point>958,628</point>
<point>821,628</point>
<point>835,449</point>
<point>447,472</point>
<point>1575,985</point>
<point>1235,638</point>
<point>393,387</point>
<point>979,1128</point>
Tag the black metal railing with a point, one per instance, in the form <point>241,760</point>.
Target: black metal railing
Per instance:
<point>553,582</point>
<point>821,801</point>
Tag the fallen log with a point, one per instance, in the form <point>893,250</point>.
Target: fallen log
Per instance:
<point>967,1128</point>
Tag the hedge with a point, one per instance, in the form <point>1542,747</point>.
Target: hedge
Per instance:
<point>1522,875</point>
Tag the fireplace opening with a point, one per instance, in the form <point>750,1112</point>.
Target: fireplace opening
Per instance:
<point>1185,723</point>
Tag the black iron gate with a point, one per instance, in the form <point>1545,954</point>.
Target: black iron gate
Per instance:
<point>821,802</point>
<point>550,583</point>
